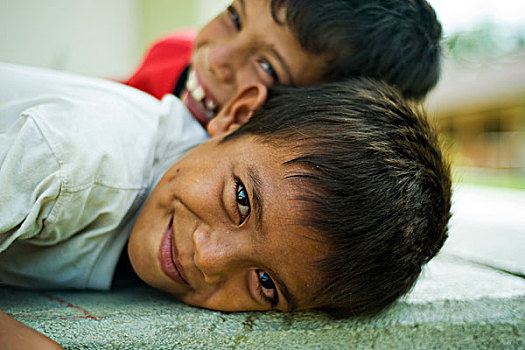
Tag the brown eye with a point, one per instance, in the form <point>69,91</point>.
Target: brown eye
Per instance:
<point>267,288</point>
<point>243,202</point>
<point>234,17</point>
<point>270,70</point>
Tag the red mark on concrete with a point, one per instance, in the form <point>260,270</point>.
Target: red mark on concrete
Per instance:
<point>86,313</point>
<point>20,315</point>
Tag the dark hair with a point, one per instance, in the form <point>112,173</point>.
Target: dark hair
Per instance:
<point>398,41</point>
<point>374,183</point>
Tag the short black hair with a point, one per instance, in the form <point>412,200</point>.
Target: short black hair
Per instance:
<point>374,185</point>
<point>398,41</point>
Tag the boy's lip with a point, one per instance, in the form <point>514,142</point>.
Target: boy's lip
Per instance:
<point>195,109</point>
<point>198,99</point>
<point>168,257</point>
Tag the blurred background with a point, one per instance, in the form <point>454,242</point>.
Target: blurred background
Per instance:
<point>104,38</point>
<point>479,105</point>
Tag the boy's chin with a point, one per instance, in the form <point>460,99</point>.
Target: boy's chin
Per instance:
<point>143,261</point>
<point>146,271</point>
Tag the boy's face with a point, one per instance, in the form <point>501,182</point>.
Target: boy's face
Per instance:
<point>242,46</point>
<point>221,230</point>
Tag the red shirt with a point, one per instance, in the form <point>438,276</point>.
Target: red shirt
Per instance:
<point>163,64</point>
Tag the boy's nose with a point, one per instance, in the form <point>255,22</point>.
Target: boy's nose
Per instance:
<point>224,59</point>
<point>217,254</point>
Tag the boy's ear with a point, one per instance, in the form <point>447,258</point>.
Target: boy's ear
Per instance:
<point>238,110</point>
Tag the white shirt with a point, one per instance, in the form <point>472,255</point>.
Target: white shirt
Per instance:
<point>78,157</point>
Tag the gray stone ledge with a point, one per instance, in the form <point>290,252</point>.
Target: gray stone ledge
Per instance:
<point>438,314</point>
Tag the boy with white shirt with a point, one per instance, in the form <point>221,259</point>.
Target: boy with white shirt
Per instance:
<point>329,197</point>
<point>78,155</point>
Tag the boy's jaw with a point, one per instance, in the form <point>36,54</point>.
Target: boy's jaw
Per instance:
<point>198,99</point>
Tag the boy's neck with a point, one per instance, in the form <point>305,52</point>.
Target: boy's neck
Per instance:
<point>124,275</point>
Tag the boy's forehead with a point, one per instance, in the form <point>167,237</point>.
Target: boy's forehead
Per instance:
<point>294,252</point>
<point>299,259</point>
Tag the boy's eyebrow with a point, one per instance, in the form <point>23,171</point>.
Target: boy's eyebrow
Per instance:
<point>284,64</point>
<point>286,294</point>
<point>257,205</point>
<point>257,201</point>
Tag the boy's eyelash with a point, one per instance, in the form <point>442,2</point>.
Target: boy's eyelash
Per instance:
<point>238,184</point>
<point>271,71</point>
<point>234,17</point>
<point>272,301</point>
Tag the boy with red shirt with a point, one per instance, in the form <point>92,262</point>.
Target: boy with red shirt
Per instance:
<point>164,63</point>
<point>295,42</point>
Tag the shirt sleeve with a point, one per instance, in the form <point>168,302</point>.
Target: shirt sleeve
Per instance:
<point>29,181</point>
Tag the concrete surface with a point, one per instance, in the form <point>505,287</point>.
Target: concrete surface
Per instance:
<point>464,300</point>
<point>488,226</point>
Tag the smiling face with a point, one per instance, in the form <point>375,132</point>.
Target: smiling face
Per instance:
<point>221,230</point>
<point>242,46</point>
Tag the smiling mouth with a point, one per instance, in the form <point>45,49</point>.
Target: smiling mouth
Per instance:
<point>202,106</point>
<point>168,257</point>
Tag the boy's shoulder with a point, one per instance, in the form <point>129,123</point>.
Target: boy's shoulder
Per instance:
<point>96,141</point>
<point>97,130</point>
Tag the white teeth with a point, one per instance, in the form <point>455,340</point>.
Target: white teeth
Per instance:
<point>192,82</point>
<point>198,93</point>
<point>210,105</point>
